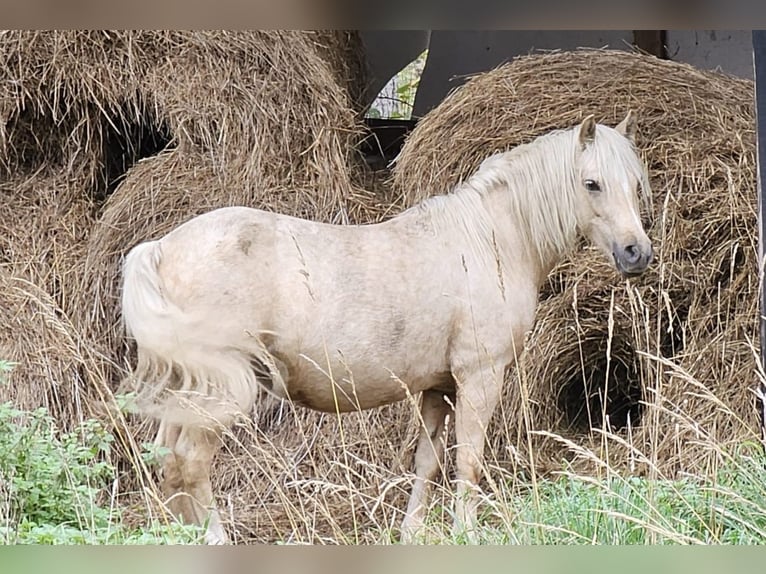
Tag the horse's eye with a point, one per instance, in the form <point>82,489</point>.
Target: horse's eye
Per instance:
<point>591,185</point>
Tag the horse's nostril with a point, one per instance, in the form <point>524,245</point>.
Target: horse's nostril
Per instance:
<point>632,254</point>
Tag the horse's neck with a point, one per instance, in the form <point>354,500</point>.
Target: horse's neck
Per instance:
<point>512,242</point>
<point>530,227</point>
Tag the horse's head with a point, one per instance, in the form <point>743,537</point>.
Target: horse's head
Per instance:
<point>609,174</point>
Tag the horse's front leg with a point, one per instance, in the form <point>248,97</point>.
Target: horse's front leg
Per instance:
<point>478,393</point>
<point>429,453</point>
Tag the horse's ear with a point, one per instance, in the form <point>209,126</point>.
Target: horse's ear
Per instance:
<point>627,127</point>
<point>587,131</point>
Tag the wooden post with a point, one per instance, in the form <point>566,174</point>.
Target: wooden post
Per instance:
<point>759,65</point>
<point>651,41</point>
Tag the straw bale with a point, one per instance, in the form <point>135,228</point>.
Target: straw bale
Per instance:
<point>65,94</point>
<point>75,99</point>
<point>264,99</point>
<point>673,349</point>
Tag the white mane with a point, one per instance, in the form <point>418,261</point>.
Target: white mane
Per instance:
<point>539,178</point>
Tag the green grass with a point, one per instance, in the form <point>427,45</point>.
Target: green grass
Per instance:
<point>397,98</point>
<point>639,511</point>
<point>729,508</point>
<point>55,487</point>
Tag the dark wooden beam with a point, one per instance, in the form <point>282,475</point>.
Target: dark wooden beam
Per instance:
<point>652,42</point>
<point>759,66</point>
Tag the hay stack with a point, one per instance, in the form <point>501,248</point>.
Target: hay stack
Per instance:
<point>675,347</point>
<point>345,53</point>
<point>270,98</point>
<point>60,92</point>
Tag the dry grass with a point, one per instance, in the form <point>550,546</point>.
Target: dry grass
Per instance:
<point>344,51</point>
<point>268,119</point>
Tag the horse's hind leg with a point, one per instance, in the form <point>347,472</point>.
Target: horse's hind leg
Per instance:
<point>186,476</point>
<point>428,456</point>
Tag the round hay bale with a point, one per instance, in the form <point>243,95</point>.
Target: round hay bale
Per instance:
<point>669,358</point>
<point>65,94</point>
<point>77,99</point>
<point>267,467</point>
<point>44,220</point>
<point>266,101</point>
<point>48,355</point>
<point>344,51</point>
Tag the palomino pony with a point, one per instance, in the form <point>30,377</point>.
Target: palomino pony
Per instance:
<point>435,301</point>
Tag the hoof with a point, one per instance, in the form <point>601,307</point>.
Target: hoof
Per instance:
<point>215,535</point>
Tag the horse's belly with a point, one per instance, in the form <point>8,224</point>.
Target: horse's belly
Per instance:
<point>343,395</point>
<point>341,388</point>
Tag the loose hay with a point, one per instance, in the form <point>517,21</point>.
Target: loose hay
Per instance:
<point>344,51</point>
<point>672,352</point>
<point>44,221</point>
<point>301,476</point>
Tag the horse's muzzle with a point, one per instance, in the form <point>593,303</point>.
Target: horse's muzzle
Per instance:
<point>633,259</point>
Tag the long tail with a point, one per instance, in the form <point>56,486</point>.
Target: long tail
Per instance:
<point>143,301</point>
<point>180,377</point>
